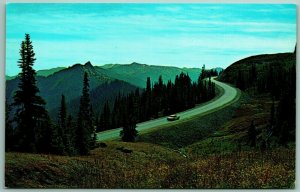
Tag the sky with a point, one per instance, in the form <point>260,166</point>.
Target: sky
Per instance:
<point>181,35</point>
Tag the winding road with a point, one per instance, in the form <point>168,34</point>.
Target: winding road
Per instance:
<point>230,94</point>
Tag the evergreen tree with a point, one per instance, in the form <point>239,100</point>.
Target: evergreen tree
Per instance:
<point>57,146</point>
<point>204,92</point>
<point>270,80</point>
<point>252,135</point>
<point>105,118</point>
<point>149,106</point>
<point>63,114</point>
<point>268,131</point>
<point>209,88</point>
<point>9,131</point>
<point>272,118</point>
<point>113,121</point>
<point>94,128</point>
<point>200,90</point>
<point>203,73</point>
<point>129,132</point>
<point>157,101</point>
<point>100,125</point>
<point>240,83</point>
<point>195,93</point>
<point>286,119</point>
<point>32,131</point>
<point>213,90</point>
<point>253,75</point>
<point>63,123</point>
<point>169,97</point>
<point>64,129</point>
<point>71,130</point>
<point>137,104</point>
<point>85,129</point>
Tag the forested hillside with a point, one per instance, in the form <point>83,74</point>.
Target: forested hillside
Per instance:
<point>254,135</point>
<point>158,100</point>
<point>106,81</point>
<point>60,114</point>
<point>66,82</point>
<point>275,77</point>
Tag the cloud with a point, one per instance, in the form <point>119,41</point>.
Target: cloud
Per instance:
<point>173,50</point>
<point>170,8</point>
<point>180,34</point>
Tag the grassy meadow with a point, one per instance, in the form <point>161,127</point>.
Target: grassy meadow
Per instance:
<point>208,152</point>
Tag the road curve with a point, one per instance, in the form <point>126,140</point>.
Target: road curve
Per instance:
<point>229,95</point>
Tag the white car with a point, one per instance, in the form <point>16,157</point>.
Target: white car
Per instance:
<point>173,117</point>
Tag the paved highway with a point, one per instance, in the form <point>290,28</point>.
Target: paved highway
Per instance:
<point>229,95</point>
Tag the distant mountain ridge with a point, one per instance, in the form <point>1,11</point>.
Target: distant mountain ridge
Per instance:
<point>136,73</point>
<point>107,81</point>
<point>69,82</point>
<point>43,72</point>
<point>130,72</point>
<point>47,72</point>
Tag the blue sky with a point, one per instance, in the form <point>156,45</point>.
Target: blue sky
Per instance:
<point>182,35</point>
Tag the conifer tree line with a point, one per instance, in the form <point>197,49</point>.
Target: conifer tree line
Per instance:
<point>283,119</point>
<point>279,82</point>
<point>273,79</point>
<point>157,100</point>
<point>31,129</point>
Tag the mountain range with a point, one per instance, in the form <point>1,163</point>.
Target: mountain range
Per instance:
<point>43,72</point>
<point>106,82</point>
<point>137,74</point>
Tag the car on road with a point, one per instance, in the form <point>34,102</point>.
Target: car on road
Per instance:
<point>173,117</point>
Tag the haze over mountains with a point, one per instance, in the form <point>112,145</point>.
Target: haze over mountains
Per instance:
<point>136,73</point>
<point>43,72</point>
<point>106,82</point>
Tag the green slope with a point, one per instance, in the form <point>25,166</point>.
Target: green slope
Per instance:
<point>9,77</point>
<point>69,82</point>
<point>47,72</point>
<point>262,63</point>
<point>43,72</point>
<point>137,74</point>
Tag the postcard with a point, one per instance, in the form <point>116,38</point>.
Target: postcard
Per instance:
<point>150,96</point>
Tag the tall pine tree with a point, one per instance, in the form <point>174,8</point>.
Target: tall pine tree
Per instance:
<point>149,106</point>
<point>203,73</point>
<point>32,131</point>
<point>61,138</point>
<point>129,132</point>
<point>85,130</point>
<point>105,117</point>
<point>63,121</point>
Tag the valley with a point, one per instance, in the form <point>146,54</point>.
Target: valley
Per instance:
<point>201,153</point>
<point>106,82</point>
<point>227,95</point>
<point>208,147</point>
<point>150,96</point>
